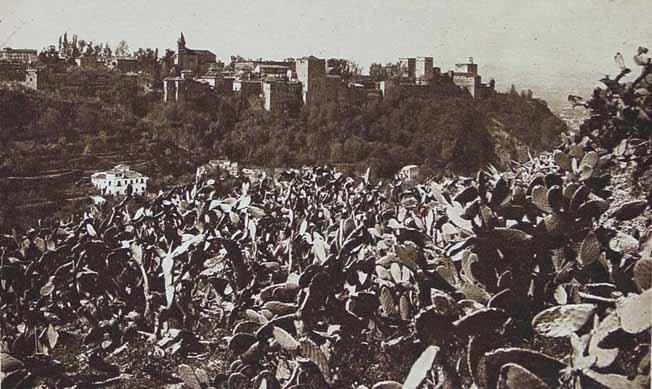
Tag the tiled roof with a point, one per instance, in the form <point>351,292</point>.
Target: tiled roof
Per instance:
<point>465,74</point>
<point>132,174</point>
<point>211,73</point>
<point>201,52</point>
<point>119,169</point>
<point>10,50</point>
<point>273,66</point>
<point>311,57</point>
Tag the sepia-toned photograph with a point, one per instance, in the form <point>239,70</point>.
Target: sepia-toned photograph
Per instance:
<point>310,194</point>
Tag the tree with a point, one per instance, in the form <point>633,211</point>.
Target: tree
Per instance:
<point>384,72</point>
<point>343,67</point>
<point>236,58</point>
<point>377,72</point>
<point>123,49</point>
<point>103,137</point>
<point>88,145</point>
<point>50,120</point>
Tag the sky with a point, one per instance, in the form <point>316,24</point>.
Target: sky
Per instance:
<point>531,41</point>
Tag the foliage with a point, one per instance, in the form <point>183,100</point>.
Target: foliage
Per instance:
<point>444,130</point>
<point>122,50</point>
<point>297,267</point>
<point>385,72</point>
<point>343,67</point>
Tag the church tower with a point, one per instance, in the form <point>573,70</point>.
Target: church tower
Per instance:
<point>181,48</point>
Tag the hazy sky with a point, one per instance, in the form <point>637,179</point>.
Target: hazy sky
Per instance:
<point>507,38</point>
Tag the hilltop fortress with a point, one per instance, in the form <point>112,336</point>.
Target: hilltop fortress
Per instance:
<point>286,85</point>
<point>283,86</point>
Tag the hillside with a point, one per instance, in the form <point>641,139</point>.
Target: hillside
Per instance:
<point>446,131</point>
<point>327,281</point>
<point>86,127</point>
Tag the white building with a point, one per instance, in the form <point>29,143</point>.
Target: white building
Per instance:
<point>115,181</point>
<point>408,174</point>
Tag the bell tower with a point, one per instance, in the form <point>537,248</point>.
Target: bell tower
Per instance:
<point>181,48</point>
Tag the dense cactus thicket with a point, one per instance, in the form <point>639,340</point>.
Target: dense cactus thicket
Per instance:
<point>535,277</point>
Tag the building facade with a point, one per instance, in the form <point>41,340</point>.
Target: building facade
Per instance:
<point>89,62</point>
<point>123,64</point>
<point>183,88</point>
<point>276,72</point>
<point>221,85</point>
<point>408,174</point>
<point>15,74</point>
<point>25,56</point>
<point>466,76</point>
<point>310,71</point>
<point>469,67</point>
<point>468,81</point>
<point>275,94</point>
<point>115,182</point>
<point>199,61</point>
<point>407,68</point>
<point>424,71</point>
<point>248,88</point>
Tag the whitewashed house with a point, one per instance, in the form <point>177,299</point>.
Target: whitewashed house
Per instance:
<point>116,181</point>
<point>408,174</point>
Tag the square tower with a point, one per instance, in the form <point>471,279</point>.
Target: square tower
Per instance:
<point>310,71</point>
<point>424,69</point>
<point>407,67</point>
<point>468,67</point>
